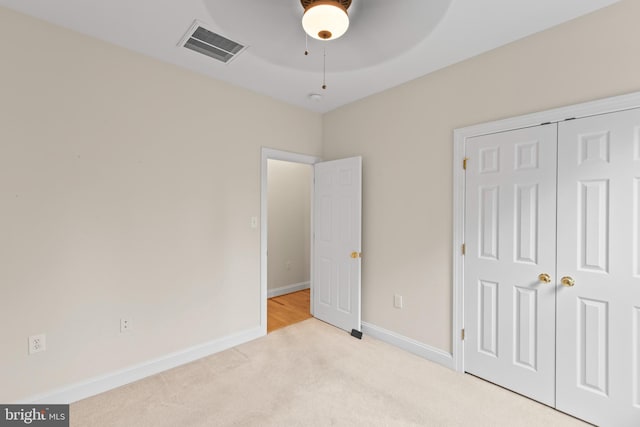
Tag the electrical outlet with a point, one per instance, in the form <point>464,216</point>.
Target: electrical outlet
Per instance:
<point>397,301</point>
<point>254,222</point>
<point>125,325</point>
<point>37,343</point>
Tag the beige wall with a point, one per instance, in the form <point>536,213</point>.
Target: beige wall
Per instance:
<point>289,192</point>
<point>405,138</point>
<point>126,189</point>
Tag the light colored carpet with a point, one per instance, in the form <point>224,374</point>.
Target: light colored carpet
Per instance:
<point>312,374</point>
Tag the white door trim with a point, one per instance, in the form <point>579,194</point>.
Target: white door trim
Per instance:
<point>269,153</point>
<point>460,135</point>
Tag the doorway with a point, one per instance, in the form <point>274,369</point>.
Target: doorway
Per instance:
<point>287,268</point>
<point>336,235</point>
<point>289,187</point>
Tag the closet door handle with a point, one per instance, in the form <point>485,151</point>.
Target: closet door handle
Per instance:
<point>544,278</point>
<point>568,281</point>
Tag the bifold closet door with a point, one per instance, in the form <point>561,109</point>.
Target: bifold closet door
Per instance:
<point>598,316</point>
<point>510,229</point>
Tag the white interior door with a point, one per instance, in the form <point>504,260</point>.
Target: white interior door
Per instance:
<point>598,319</point>
<point>510,239</point>
<point>337,242</point>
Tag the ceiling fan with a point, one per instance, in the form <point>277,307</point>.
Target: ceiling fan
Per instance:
<point>279,31</point>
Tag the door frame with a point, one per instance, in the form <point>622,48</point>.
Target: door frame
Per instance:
<point>266,155</point>
<point>460,135</point>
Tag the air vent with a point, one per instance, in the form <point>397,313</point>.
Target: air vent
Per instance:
<point>206,42</point>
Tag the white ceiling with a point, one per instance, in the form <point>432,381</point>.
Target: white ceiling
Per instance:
<point>388,43</point>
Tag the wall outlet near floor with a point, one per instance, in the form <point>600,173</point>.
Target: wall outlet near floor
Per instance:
<point>397,301</point>
<point>37,343</point>
<point>125,324</point>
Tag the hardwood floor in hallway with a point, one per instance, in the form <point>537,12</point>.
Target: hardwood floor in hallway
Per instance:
<point>285,310</point>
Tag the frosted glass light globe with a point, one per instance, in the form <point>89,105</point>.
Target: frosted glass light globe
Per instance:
<point>325,21</point>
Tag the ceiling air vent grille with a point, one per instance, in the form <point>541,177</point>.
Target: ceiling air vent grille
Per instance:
<point>206,42</point>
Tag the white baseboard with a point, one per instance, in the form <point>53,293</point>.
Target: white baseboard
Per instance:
<point>282,290</point>
<point>97,385</point>
<point>423,350</point>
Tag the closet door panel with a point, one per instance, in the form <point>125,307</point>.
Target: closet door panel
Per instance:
<point>510,240</point>
<point>597,317</point>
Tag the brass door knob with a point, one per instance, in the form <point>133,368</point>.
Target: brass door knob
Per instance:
<point>567,281</point>
<point>544,278</point>
<point>355,255</point>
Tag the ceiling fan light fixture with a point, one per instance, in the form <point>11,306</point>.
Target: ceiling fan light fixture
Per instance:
<point>325,19</point>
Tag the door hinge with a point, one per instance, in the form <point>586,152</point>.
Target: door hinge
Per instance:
<point>464,163</point>
<point>462,334</point>
<point>464,249</point>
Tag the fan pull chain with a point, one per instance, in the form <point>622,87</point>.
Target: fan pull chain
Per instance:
<point>324,69</point>
<point>306,44</point>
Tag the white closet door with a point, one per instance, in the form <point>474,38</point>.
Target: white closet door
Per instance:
<point>510,230</point>
<point>598,319</point>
